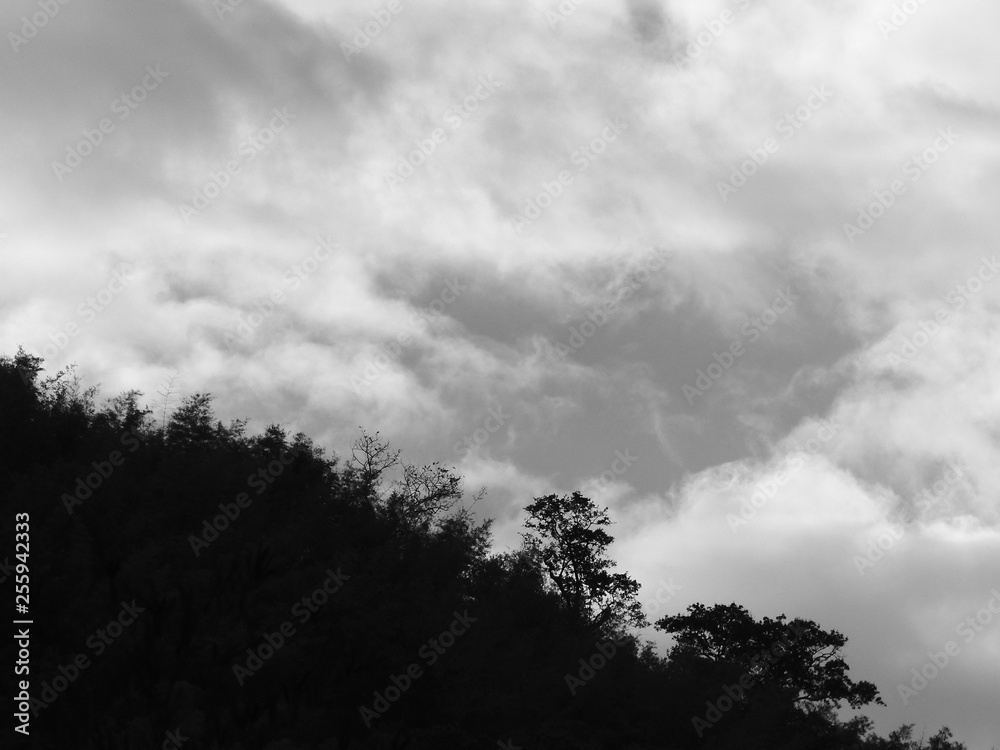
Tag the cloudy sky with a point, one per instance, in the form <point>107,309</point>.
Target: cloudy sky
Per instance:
<point>729,268</point>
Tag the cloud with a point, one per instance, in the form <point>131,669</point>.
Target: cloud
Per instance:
<point>608,132</point>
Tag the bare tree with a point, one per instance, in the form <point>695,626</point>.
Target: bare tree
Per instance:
<point>420,496</point>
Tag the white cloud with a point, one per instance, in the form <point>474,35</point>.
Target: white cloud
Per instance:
<point>653,185</point>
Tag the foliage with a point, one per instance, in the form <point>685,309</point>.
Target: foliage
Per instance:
<point>570,542</point>
<point>221,537</point>
<point>796,656</point>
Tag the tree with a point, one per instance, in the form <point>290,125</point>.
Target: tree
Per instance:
<point>191,425</point>
<point>370,459</point>
<point>419,498</point>
<point>797,657</point>
<point>902,739</point>
<point>424,493</point>
<point>378,575</point>
<point>570,542</point>
<point>124,413</point>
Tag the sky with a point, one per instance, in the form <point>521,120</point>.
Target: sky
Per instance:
<point>728,268</point>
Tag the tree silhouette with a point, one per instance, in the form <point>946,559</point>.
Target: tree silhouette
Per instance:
<point>191,426</point>
<point>797,657</point>
<point>570,542</point>
<point>419,498</point>
<point>276,518</point>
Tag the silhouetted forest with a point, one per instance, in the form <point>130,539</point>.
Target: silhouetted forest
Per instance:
<point>196,586</point>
